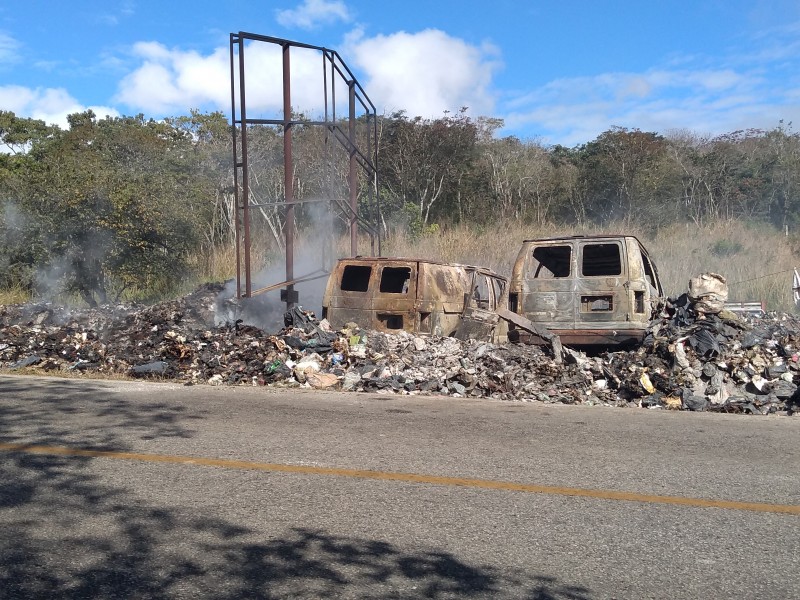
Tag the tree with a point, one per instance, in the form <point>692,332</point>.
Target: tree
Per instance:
<point>423,160</point>
<point>783,148</point>
<point>523,179</point>
<point>112,200</point>
<point>618,168</point>
<point>210,173</point>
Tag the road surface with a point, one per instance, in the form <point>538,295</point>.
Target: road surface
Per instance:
<point>144,490</point>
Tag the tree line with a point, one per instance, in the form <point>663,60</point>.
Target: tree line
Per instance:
<point>123,207</point>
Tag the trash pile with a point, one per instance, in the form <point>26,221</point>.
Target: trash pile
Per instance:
<point>697,355</point>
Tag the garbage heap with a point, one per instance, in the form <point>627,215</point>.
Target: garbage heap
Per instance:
<point>696,356</point>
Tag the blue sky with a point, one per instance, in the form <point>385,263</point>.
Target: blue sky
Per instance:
<point>560,72</point>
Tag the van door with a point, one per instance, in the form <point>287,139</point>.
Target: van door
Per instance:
<point>602,288</point>
<point>349,295</point>
<point>643,283</point>
<point>547,285</point>
<point>394,300</point>
<point>479,319</point>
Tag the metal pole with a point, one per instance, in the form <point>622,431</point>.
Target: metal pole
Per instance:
<point>353,175</point>
<point>236,165</point>
<point>245,175</point>
<point>288,179</point>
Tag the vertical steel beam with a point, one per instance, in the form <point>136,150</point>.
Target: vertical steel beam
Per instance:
<point>245,175</point>
<point>288,176</point>
<point>236,166</point>
<point>353,174</point>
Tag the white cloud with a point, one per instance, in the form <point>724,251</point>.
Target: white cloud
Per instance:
<point>708,101</point>
<point>9,48</point>
<point>123,11</point>
<point>426,73</point>
<point>15,97</point>
<point>171,80</point>
<point>51,105</point>
<point>264,81</point>
<point>313,13</point>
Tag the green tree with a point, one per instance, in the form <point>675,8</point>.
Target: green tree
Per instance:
<point>422,161</point>
<point>783,148</point>
<point>113,204</point>
<point>619,168</point>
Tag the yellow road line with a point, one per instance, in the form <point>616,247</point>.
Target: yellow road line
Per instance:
<point>791,509</point>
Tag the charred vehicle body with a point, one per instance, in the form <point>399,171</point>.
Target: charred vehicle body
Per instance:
<point>577,291</point>
<point>588,290</point>
<point>416,295</point>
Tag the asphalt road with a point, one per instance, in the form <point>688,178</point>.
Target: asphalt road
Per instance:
<point>135,490</point>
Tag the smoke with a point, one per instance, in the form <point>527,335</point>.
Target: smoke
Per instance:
<point>16,231</point>
<point>77,268</point>
<point>12,220</point>
<point>313,259</point>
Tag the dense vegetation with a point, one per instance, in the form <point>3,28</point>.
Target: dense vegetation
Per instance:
<point>126,207</point>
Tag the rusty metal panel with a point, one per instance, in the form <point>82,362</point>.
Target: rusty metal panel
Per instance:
<point>354,294</point>
<point>547,295</point>
<point>605,298</point>
<point>430,300</point>
<point>477,324</point>
<point>443,287</point>
<point>394,306</point>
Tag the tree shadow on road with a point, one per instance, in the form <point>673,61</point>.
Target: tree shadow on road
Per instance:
<point>68,533</point>
<point>110,416</point>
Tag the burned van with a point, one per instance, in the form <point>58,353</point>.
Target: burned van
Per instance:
<point>588,290</point>
<point>415,295</point>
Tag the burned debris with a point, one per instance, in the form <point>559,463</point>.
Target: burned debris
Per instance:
<point>694,357</point>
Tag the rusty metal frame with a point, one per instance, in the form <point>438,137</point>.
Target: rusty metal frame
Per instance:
<point>333,69</point>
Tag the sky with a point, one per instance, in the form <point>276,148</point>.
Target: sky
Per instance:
<point>555,71</point>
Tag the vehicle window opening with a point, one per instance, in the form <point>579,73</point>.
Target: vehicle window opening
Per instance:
<point>601,260</point>
<point>395,280</point>
<point>639,302</point>
<point>480,292</point>
<point>499,288</point>
<point>648,271</point>
<point>551,262</point>
<point>355,278</point>
<point>391,321</point>
<point>425,322</point>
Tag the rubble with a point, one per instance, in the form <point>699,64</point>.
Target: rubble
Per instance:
<point>691,359</point>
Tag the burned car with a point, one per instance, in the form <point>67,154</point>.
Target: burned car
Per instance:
<point>415,295</point>
<point>588,290</point>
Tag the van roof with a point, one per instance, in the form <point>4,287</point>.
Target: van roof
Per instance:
<point>378,259</point>
<point>565,238</point>
<point>607,236</point>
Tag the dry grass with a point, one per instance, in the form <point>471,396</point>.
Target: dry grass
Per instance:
<point>756,260</point>
<point>14,296</point>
